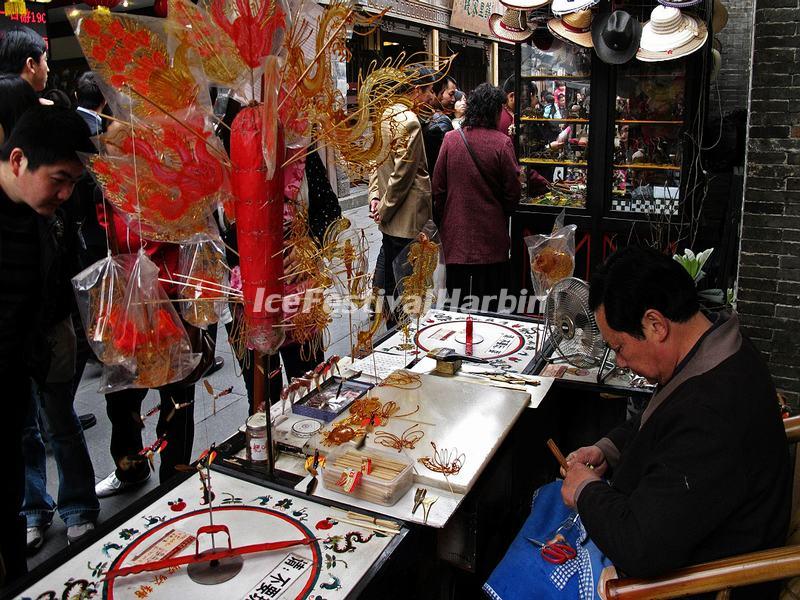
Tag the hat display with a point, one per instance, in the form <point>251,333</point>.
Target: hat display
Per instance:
<point>525,4</point>
<point>511,27</point>
<point>564,7</point>
<point>616,37</point>
<point>670,34</point>
<point>574,27</point>
<point>719,16</point>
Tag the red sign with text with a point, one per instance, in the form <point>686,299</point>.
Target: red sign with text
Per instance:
<point>35,18</point>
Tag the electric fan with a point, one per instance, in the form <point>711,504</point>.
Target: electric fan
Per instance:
<point>572,328</point>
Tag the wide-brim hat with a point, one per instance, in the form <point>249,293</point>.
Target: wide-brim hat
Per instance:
<point>564,7</point>
<point>573,27</point>
<point>616,36</point>
<point>525,4</point>
<point>511,26</point>
<point>670,34</point>
<point>719,17</point>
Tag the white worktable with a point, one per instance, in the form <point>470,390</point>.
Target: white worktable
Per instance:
<point>471,417</point>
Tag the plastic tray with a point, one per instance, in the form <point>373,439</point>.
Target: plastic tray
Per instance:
<point>324,404</point>
<point>392,475</point>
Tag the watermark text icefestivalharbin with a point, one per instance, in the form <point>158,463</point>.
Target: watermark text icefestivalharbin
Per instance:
<point>337,303</point>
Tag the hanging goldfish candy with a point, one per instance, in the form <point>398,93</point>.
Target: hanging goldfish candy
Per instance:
<point>100,293</point>
<point>203,273</point>
<point>147,329</point>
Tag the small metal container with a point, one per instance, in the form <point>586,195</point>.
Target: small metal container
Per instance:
<point>256,435</point>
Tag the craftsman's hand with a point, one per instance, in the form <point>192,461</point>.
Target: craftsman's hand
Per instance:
<point>373,210</point>
<point>291,263</point>
<point>588,455</point>
<point>576,475</point>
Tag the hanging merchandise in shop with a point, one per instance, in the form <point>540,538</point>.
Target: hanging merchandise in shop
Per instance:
<point>512,26</point>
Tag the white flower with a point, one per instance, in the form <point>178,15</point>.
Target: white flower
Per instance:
<point>694,263</point>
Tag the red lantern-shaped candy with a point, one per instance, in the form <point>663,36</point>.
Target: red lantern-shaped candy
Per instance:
<point>259,222</point>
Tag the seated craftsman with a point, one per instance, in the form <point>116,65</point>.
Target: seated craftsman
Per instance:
<point>703,472</point>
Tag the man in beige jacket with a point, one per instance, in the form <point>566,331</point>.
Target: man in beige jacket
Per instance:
<point>400,188</point>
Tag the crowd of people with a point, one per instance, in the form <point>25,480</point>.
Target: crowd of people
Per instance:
<point>448,163</point>
<point>448,166</point>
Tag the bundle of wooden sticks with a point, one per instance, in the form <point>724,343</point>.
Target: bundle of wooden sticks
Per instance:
<point>381,478</point>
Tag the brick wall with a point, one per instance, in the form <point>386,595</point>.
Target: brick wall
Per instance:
<point>769,267</point>
<point>734,75</point>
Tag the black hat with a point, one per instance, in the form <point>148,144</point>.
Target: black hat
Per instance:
<point>542,38</point>
<point>616,37</point>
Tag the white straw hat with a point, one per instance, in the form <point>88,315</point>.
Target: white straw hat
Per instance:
<point>564,7</point>
<point>573,27</point>
<point>525,4</point>
<point>511,26</point>
<point>670,34</point>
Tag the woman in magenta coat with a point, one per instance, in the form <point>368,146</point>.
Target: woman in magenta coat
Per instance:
<point>476,188</point>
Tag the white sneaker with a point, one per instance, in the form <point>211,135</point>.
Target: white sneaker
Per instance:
<point>75,532</point>
<point>34,538</point>
<point>111,485</point>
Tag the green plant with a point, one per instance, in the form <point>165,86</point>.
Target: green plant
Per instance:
<point>693,263</point>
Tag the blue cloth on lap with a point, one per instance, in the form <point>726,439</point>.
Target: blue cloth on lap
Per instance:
<point>523,573</point>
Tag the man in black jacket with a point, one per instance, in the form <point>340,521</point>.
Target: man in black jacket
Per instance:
<point>23,52</point>
<point>433,131</point>
<point>38,171</point>
<point>703,473</point>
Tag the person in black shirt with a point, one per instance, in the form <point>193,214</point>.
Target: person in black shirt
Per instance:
<point>39,167</point>
<point>440,123</point>
<point>23,52</point>
<point>703,472</point>
<point>16,96</point>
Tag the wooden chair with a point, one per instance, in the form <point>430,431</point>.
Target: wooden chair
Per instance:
<point>721,575</point>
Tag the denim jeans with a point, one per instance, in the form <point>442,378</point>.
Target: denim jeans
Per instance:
<point>52,406</point>
<point>77,502</point>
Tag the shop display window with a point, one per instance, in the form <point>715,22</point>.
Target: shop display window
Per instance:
<point>554,124</point>
<point>649,124</point>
